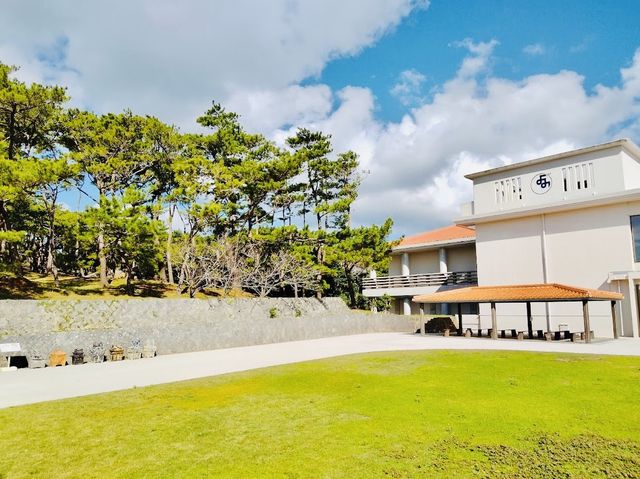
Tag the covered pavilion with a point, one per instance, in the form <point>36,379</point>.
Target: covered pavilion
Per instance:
<point>525,293</point>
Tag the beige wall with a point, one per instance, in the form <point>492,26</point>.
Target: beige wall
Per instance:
<point>462,258</point>
<point>424,262</point>
<point>459,258</point>
<point>582,248</point>
<point>395,268</point>
<point>509,252</point>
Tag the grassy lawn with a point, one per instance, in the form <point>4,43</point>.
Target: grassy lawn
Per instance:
<point>403,414</point>
<point>36,286</point>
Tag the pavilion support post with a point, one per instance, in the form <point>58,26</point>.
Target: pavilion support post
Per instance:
<point>614,320</point>
<point>587,325</point>
<point>529,320</point>
<point>459,319</point>
<point>494,322</point>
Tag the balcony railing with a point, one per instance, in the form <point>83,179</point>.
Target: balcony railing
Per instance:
<point>417,280</point>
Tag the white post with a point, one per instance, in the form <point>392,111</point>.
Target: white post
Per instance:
<point>633,306</point>
<point>444,268</point>
<point>442,256</point>
<point>406,306</point>
<point>405,264</point>
<point>545,266</point>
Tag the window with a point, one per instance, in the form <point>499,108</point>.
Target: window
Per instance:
<point>508,191</point>
<point>578,177</point>
<point>635,235</point>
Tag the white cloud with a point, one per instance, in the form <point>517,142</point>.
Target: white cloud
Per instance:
<point>478,60</point>
<point>408,88</point>
<point>534,49</point>
<point>172,58</point>
<point>475,121</point>
<point>267,110</point>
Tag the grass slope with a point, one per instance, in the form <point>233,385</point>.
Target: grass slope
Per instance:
<point>36,286</point>
<point>404,414</point>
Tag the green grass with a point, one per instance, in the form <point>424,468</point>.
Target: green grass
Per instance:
<point>403,414</point>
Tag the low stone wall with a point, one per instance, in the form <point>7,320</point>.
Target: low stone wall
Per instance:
<point>182,325</point>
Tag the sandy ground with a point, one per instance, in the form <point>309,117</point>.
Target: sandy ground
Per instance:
<point>27,386</point>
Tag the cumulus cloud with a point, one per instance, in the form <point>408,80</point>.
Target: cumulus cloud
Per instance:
<point>408,88</point>
<point>478,58</point>
<point>171,58</point>
<point>267,110</point>
<point>475,121</point>
<point>534,49</point>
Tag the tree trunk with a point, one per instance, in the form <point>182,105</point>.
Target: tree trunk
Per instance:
<point>352,293</point>
<point>51,241</point>
<point>320,259</point>
<point>12,145</point>
<point>104,282</point>
<point>172,210</point>
<point>4,225</point>
<point>51,262</point>
<point>129,285</point>
<point>102,255</point>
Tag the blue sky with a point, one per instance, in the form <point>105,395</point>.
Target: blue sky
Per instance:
<point>593,38</point>
<point>425,92</point>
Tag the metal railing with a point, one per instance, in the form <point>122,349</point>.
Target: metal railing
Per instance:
<point>427,279</point>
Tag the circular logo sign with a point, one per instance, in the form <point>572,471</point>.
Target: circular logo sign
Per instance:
<point>541,183</point>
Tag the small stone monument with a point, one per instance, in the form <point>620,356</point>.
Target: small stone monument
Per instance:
<point>36,360</point>
<point>96,353</point>
<point>77,357</point>
<point>149,349</point>
<point>135,351</point>
<point>116,353</point>
<point>57,358</point>
<point>6,351</point>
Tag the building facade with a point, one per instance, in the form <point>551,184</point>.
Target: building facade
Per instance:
<point>571,218</point>
<point>425,263</point>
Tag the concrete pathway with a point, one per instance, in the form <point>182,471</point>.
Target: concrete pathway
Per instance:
<point>27,386</point>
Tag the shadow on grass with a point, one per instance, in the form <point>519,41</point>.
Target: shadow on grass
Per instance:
<point>19,288</point>
<point>36,286</point>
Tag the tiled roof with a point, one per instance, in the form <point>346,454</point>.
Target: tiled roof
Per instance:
<point>448,233</point>
<point>517,293</point>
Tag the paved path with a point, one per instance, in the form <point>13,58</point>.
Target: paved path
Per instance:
<point>34,385</point>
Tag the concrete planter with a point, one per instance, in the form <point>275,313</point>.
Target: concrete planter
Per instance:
<point>96,353</point>
<point>77,357</point>
<point>148,353</point>
<point>134,354</point>
<point>116,353</point>
<point>36,361</point>
<point>149,349</point>
<point>57,358</point>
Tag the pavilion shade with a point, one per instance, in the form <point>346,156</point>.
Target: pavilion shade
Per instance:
<point>518,293</point>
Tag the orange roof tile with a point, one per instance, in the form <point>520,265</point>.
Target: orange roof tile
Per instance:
<point>453,232</point>
<point>518,293</point>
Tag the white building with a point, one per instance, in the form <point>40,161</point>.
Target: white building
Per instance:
<point>571,218</point>
<point>425,263</point>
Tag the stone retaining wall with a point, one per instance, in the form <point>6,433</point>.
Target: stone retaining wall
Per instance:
<point>182,325</point>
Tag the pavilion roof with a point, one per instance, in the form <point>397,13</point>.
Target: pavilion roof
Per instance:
<point>441,236</point>
<point>517,294</point>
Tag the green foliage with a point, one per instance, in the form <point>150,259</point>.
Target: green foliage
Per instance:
<point>225,186</point>
<point>273,313</point>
